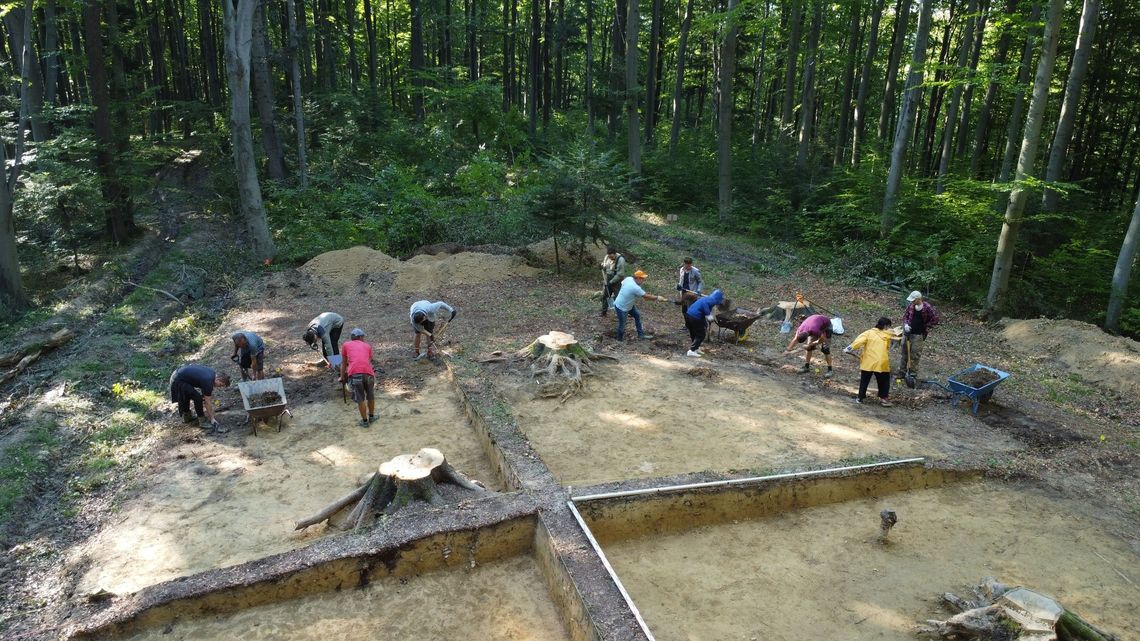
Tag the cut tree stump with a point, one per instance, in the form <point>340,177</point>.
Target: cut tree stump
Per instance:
<point>557,361</point>
<point>398,482</point>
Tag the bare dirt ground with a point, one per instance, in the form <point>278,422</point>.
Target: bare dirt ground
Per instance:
<point>506,600</point>
<point>819,573</point>
<point>204,501</point>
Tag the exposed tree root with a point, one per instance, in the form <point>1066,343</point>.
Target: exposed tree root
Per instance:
<point>559,362</point>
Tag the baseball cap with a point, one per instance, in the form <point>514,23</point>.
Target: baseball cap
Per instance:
<point>356,331</point>
<point>640,274</point>
<point>915,295</point>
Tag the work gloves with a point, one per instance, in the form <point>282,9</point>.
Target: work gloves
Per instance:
<point>906,328</point>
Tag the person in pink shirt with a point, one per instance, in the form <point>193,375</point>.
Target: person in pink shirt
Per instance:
<point>356,369</point>
<point>814,332</point>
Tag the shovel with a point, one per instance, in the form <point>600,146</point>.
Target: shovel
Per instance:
<point>908,378</point>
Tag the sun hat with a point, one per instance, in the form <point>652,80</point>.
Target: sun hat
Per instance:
<point>915,295</point>
<point>640,274</point>
<point>356,331</point>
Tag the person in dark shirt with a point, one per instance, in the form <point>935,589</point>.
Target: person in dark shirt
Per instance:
<point>196,383</point>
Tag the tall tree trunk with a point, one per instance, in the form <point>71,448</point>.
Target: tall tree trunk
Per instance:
<point>12,293</point>
<point>51,53</point>
<point>417,59</point>
<point>350,25</point>
<point>209,52</point>
<point>807,110</point>
<point>679,81</point>
<point>238,23</point>
<point>1121,274</point>
<point>724,117</point>
<point>370,35</point>
<point>898,39</point>
<point>633,138</point>
<point>913,95</point>
<point>534,67</point>
<point>263,97</point>
<point>848,83</point>
<point>860,126</point>
<point>1018,108</point>
<point>157,68</point>
<point>559,55</point>
<point>1064,132</point>
<point>21,37</point>
<point>508,54</point>
<point>118,223</point>
<point>1003,260</point>
<point>78,64</point>
<point>937,95</point>
<point>963,140</point>
<point>795,23</point>
<point>547,70</point>
<point>617,67</point>
<point>590,69</point>
<point>955,99</point>
<point>651,89</point>
<point>298,105</point>
<point>981,131</point>
<point>758,100</point>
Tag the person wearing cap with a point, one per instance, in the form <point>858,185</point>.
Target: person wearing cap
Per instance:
<point>425,315</point>
<point>625,303</point>
<point>249,353</point>
<point>195,384</point>
<point>613,271</point>
<point>326,327</point>
<point>356,370</point>
<point>697,318</point>
<point>875,360</point>
<point>688,280</point>
<point>918,319</point>
<point>814,332</point>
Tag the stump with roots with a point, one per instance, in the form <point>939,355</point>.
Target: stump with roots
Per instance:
<point>558,361</point>
<point>400,481</point>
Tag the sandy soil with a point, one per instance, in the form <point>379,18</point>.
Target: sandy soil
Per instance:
<point>649,417</point>
<point>819,574</point>
<point>213,502</point>
<point>346,268</point>
<point>505,600</point>
<point>1112,362</point>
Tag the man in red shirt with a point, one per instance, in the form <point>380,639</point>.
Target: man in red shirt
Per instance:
<point>356,369</point>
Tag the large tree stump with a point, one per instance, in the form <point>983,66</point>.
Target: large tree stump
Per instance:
<point>398,482</point>
<point>558,362</point>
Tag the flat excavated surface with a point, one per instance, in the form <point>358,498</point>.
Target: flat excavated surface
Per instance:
<point>215,502</point>
<point>818,573</point>
<point>503,600</point>
<point>648,416</point>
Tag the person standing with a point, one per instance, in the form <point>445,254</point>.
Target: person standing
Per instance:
<point>688,280</point>
<point>356,370</point>
<point>425,316</point>
<point>814,332</point>
<point>697,317</point>
<point>613,272</point>
<point>195,384</point>
<point>918,319</point>
<point>249,353</point>
<point>625,304</point>
<point>326,327</point>
<point>875,360</point>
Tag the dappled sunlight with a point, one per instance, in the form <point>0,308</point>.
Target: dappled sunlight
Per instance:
<point>334,455</point>
<point>626,419</point>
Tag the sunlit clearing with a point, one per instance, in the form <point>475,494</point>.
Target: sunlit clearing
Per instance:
<point>334,455</point>
<point>842,432</point>
<point>629,420</point>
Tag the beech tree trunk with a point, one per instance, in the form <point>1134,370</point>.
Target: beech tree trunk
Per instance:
<point>1018,108</point>
<point>955,100</point>
<point>1064,132</point>
<point>633,137</point>
<point>1003,260</point>
<point>12,292</point>
<point>981,132</point>
<point>912,97</point>
<point>860,125</point>
<point>795,22</point>
<point>417,59</point>
<point>845,106</point>
<point>886,112</point>
<point>724,117</point>
<point>807,108</point>
<point>238,41</point>
<point>1122,272</point>
<point>298,105</point>
<point>651,88</point>
<point>263,97</point>
<point>21,38</point>
<point>679,81</point>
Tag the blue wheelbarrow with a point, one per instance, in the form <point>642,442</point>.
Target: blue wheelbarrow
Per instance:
<point>977,395</point>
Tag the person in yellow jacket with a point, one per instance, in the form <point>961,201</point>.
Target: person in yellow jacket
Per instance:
<point>875,360</point>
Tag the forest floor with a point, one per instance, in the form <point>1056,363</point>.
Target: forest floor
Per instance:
<point>111,513</point>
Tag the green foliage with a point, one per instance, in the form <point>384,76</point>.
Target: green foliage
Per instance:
<point>23,462</point>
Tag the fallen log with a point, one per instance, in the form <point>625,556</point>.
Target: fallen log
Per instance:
<point>58,338</point>
<point>397,483</point>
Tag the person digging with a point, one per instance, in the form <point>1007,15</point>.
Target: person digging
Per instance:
<point>874,360</point>
<point>323,332</point>
<point>918,319</point>
<point>425,316</point>
<point>249,354</point>
<point>195,384</point>
<point>814,332</point>
<point>356,370</point>
<point>625,304</point>
<point>688,280</point>
<point>697,319</point>
<point>613,271</point>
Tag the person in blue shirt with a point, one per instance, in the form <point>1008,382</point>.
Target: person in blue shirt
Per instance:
<point>697,318</point>
<point>251,350</point>
<point>195,384</point>
<point>626,303</point>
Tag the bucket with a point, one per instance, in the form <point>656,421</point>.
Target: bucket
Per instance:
<point>786,327</point>
<point>837,326</point>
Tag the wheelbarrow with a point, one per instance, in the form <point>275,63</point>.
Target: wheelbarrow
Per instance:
<point>250,389</point>
<point>977,395</point>
<point>738,321</point>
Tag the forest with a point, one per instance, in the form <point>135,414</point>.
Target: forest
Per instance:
<point>984,152</point>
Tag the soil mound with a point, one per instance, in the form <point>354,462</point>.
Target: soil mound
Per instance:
<point>466,268</point>
<point>1112,362</point>
<point>342,268</point>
